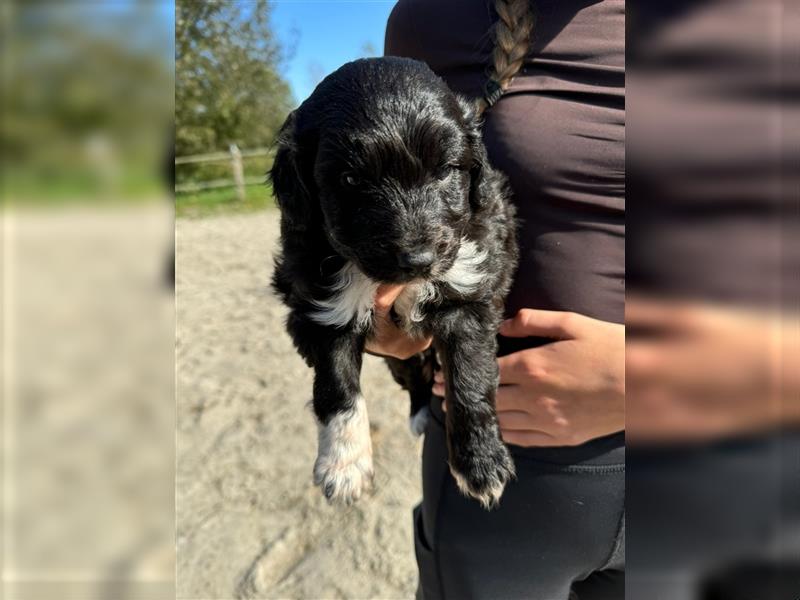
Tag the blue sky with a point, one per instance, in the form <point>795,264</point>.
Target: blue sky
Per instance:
<point>326,34</point>
<point>323,34</point>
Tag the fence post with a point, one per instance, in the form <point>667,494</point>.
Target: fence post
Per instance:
<point>238,171</point>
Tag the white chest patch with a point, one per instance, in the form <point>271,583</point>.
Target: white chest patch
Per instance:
<point>353,293</point>
<point>352,297</point>
<point>466,274</point>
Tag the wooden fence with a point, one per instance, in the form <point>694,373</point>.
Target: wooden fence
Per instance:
<point>234,156</point>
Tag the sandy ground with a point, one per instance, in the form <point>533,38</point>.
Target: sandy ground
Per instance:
<point>88,426</point>
<point>250,524</point>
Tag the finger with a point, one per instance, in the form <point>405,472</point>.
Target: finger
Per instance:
<point>438,376</point>
<point>641,311</point>
<point>515,420</point>
<point>385,336</point>
<point>391,341</point>
<point>438,389</point>
<point>643,359</point>
<point>529,438</point>
<point>521,367</point>
<point>516,398</point>
<point>659,315</point>
<point>512,368</point>
<point>662,361</point>
<point>408,347</point>
<point>544,323</point>
<point>385,296</point>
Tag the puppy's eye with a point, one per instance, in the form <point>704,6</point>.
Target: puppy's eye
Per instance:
<point>350,179</point>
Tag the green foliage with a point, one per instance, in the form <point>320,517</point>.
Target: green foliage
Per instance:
<point>87,101</point>
<point>228,88</point>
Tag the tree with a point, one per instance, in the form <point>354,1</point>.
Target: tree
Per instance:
<point>87,89</point>
<point>228,88</point>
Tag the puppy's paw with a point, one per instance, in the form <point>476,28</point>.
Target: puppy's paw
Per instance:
<point>343,469</point>
<point>419,421</point>
<point>482,470</point>
<point>343,480</point>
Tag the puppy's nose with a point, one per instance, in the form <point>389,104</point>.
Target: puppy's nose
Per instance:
<point>415,261</point>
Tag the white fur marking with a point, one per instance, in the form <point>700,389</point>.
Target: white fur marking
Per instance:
<point>489,499</point>
<point>419,421</point>
<point>465,276</point>
<point>410,301</point>
<point>344,458</point>
<point>353,295</point>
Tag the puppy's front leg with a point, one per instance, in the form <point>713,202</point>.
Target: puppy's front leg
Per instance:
<point>479,460</point>
<point>343,468</point>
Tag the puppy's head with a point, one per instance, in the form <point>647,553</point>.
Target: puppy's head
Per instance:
<point>388,162</point>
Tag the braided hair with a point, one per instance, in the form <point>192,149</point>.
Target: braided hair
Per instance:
<point>512,35</point>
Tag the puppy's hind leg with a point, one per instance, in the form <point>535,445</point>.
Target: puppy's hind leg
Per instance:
<point>343,469</point>
<point>416,376</point>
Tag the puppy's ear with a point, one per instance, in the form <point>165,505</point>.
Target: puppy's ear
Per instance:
<point>479,170</point>
<point>292,187</point>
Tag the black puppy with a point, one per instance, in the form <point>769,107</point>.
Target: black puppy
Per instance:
<point>382,177</point>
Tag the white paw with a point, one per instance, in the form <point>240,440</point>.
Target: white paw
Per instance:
<point>343,469</point>
<point>419,421</point>
<point>483,469</point>
<point>488,496</point>
<point>342,482</point>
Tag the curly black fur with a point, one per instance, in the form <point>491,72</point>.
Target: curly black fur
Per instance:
<point>381,176</point>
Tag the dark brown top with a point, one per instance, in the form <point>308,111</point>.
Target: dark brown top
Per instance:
<point>714,149</point>
<point>558,133</point>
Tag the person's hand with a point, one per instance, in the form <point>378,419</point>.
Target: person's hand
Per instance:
<point>388,339</point>
<point>704,372</point>
<point>563,393</point>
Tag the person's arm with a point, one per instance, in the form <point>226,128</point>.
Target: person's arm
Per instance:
<point>566,392</point>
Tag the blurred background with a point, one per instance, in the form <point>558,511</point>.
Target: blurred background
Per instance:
<point>86,100</point>
<point>88,313</point>
<point>712,264</point>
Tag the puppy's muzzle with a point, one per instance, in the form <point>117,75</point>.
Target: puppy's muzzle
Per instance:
<point>416,262</point>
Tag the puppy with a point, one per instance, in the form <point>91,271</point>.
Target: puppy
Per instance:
<point>381,177</point>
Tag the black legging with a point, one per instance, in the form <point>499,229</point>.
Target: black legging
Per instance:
<point>559,527</point>
<point>716,521</point>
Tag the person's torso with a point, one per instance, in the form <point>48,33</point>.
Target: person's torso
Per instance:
<point>558,134</point>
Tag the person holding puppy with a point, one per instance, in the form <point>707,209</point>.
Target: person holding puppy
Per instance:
<point>550,77</point>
